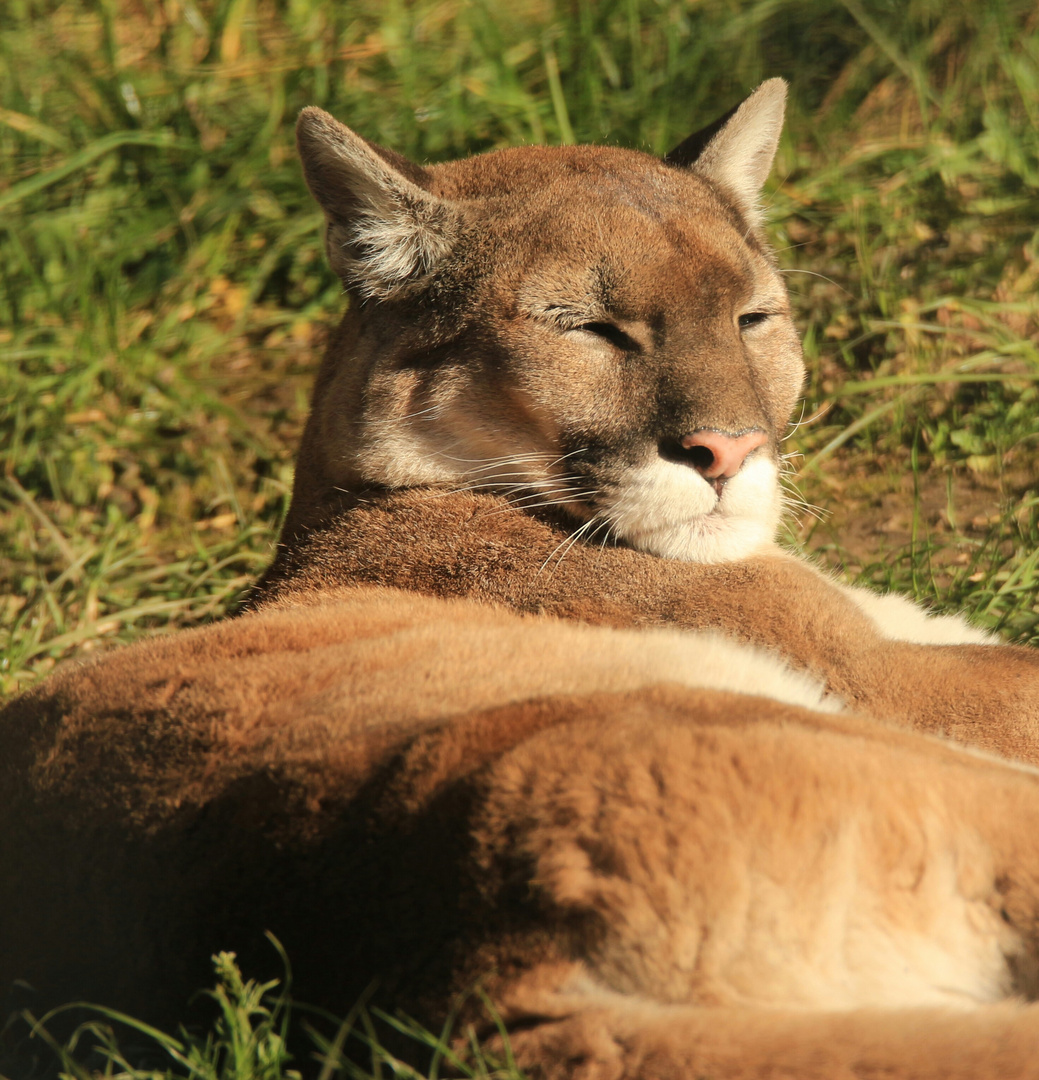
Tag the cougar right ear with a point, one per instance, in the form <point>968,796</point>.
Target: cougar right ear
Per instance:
<point>736,151</point>
<point>385,230</point>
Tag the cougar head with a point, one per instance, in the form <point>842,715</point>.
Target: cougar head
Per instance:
<point>584,327</point>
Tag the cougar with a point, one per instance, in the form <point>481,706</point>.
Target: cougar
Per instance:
<point>530,711</point>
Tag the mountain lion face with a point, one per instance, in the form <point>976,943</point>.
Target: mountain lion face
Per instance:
<point>588,328</point>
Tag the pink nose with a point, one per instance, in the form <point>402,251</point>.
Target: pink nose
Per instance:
<point>720,456</point>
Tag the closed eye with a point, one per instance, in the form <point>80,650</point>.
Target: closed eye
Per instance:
<point>613,334</point>
<point>752,318</point>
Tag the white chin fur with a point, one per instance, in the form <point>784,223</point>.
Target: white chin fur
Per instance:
<point>669,510</point>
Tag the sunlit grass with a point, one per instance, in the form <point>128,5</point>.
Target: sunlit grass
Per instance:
<point>163,294</point>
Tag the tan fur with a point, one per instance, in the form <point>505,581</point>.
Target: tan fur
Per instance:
<point>677,818</point>
<point>466,439</point>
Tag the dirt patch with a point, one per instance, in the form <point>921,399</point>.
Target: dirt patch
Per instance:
<point>873,512</point>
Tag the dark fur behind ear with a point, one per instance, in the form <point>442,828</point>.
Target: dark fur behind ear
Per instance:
<point>688,150</point>
<point>736,151</point>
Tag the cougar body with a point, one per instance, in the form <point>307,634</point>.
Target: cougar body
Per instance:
<point>529,708</point>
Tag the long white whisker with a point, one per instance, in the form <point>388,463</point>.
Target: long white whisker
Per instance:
<point>545,498</point>
<point>497,484</point>
<point>585,539</point>
<point>559,488</point>
<point>494,477</point>
<point>604,521</point>
<point>539,500</point>
<point>794,502</point>
<point>493,463</point>
<point>426,412</point>
<point>441,493</point>
<point>568,541</point>
<point>607,537</point>
<point>534,455</point>
<point>551,487</point>
<point>819,413</point>
<point>822,277</point>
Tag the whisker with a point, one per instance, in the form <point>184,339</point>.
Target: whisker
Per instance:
<point>819,413</point>
<point>788,467</point>
<point>796,504</point>
<point>574,540</point>
<point>823,277</point>
<point>568,541</point>
<point>550,487</point>
<point>791,247</point>
<point>426,412</point>
<point>538,498</point>
<point>492,484</point>
<point>509,493</point>
<point>493,463</point>
<point>603,520</point>
<point>556,487</point>
<point>537,502</point>
<point>606,535</point>
<point>507,459</point>
<point>487,481</point>
<point>461,489</point>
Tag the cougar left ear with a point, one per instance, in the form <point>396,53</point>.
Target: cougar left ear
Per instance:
<point>385,231</point>
<point>736,151</point>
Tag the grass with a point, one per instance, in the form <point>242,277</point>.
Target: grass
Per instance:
<point>247,1040</point>
<point>257,1033</point>
<point>164,295</point>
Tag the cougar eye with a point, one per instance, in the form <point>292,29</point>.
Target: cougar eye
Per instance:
<point>752,318</point>
<point>613,334</point>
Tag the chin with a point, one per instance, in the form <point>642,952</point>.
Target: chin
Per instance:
<point>708,540</point>
<point>669,511</point>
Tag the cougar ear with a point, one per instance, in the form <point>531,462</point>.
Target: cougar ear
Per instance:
<point>385,230</point>
<point>736,151</point>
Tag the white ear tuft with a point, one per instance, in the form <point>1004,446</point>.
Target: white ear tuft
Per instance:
<point>385,231</point>
<point>737,152</point>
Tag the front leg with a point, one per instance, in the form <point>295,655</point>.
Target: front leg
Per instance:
<point>984,695</point>
<point>980,695</point>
